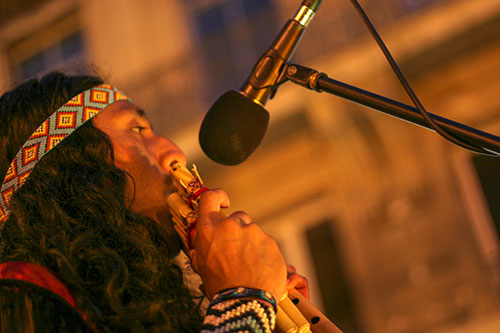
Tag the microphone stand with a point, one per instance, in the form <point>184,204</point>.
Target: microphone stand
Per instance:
<point>313,80</point>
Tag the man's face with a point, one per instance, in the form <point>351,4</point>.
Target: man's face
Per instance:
<point>143,154</point>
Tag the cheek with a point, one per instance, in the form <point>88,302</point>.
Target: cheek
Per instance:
<point>121,149</point>
<point>121,154</point>
<point>128,152</point>
<point>137,162</point>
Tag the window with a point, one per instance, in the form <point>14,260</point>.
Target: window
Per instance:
<point>61,55</point>
<point>60,46</point>
<point>412,5</point>
<point>233,34</point>
<point>487,173</point>
<point>327,260</point>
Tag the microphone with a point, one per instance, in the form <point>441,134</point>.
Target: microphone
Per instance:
<point>236,123</point>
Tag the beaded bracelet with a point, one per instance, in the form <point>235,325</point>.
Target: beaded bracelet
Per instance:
<point>241,292</point>
<point>242,315</point>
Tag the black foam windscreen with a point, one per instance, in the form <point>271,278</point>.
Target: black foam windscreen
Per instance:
<point>232,129</point>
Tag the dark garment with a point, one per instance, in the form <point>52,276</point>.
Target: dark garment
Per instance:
<point>26,307</point>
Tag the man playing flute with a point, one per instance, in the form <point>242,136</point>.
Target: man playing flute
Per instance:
<point>86,240</point>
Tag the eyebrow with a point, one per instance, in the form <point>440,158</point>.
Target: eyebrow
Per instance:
<point>140,112</point>
<point>136,111</point>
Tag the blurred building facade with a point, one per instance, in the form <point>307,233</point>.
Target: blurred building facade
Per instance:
<point>396,228</point>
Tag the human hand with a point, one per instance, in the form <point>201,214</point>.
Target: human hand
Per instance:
<point>233,252</point>
<point>296,281</point>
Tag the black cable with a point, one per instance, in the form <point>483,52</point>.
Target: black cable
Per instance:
<point>441,131</point>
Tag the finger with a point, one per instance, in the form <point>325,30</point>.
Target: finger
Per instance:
<point>292,281</point>
<point>242,217</point>
<point>210,204</point>
<point>208,213</point>
<point>225,203</point>
<point>298,282</point>
<point>290,269</point>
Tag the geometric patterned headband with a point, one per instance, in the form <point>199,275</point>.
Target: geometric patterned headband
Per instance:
<point>53,130</point>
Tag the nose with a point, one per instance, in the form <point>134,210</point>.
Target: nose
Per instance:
<point>166,152</point>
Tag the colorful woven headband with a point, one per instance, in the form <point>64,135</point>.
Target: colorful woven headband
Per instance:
<point>64,121</point>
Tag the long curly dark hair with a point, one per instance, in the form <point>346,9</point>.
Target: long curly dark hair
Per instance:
<point>71,217</point>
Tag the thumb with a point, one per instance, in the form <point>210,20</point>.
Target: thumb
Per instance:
<point>208,214</point>
<point>209,209</point>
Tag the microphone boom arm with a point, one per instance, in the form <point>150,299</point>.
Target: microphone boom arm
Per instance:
<point>319,82</point>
